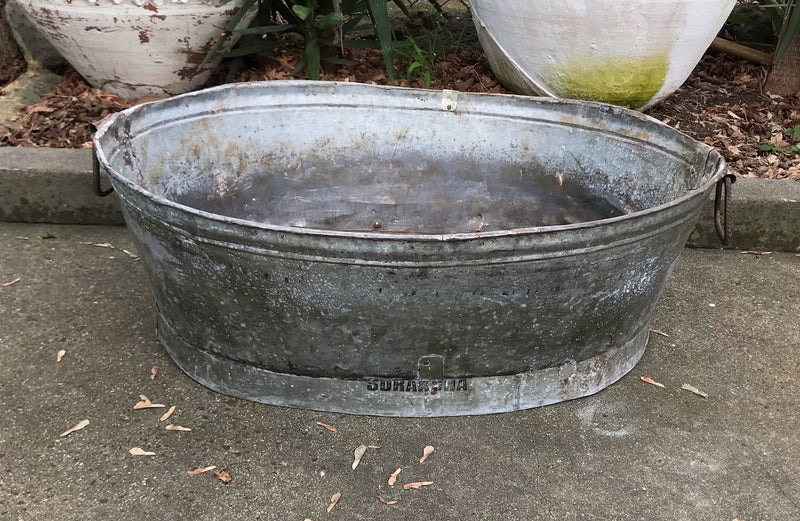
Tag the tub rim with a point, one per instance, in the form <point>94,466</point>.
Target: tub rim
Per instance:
<point>714,169</point>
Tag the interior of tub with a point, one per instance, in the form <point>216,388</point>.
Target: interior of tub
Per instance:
<point>397,161</point>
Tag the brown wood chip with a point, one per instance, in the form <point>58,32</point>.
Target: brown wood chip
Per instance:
<point>223,475</point>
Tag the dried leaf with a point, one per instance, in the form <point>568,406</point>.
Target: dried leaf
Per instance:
<point>153,372</point>
<point>695,390</point>
<point>60,355</point>
<point>81,424</point>
<point>393,477</point>
<point>48,235</point>
<point>427,451</point>
<point>387,501</point>
<point>223,475</point>
<point>734,150</point>
<point>98,244</point>
<point>10,282</point>
<point>130,254</point>
<point>417,484</point>
<point>171,427</point>
<point>138,451</point>
<point>658,332</point>
<point>42,109</point>
<point>649,380</point>
<point>201,470</point>
<point>145,403</point>
<point>358,454</point>
<point>329,427</point>
<point>167,414</point>
<point>334,499</point>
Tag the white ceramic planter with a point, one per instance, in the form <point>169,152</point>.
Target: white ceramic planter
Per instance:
<point>627,52</point>
<point>135,48</point>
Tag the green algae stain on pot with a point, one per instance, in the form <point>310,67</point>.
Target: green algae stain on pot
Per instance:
<point>621,81</point>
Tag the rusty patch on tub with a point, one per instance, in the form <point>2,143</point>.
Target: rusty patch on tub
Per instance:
<point>588,374</point>
<point>143,36</point>
<point>150,7</point>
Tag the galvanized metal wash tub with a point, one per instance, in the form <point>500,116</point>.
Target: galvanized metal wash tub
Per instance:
<point>398,252</point>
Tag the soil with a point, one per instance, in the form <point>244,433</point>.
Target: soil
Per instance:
<point>722,104</point>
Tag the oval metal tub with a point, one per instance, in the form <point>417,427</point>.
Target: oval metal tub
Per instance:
<point>389,251</point>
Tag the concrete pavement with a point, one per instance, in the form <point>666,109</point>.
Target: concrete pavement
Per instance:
<point>633,451</point>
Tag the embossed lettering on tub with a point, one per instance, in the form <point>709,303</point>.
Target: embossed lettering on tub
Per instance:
<point>418,386</point>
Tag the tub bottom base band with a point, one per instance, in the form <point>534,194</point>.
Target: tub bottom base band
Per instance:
<point>406,398</point>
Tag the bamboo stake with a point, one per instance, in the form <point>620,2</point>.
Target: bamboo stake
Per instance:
<point>742,51</point>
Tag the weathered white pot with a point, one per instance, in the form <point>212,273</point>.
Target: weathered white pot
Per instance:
<point>627,52</point>
<point>136,48</point>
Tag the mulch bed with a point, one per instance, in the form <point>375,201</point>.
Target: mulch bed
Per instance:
<point>722,104</point>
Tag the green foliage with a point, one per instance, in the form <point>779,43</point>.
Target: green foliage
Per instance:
<point>383,28</point>
<point>326,27</point>
<point>776,11</point>
<point>771,148</point>
<point>422,63</point>
<point>784,22</point>
<point>791,25</point>
<point>420,53</point>
<point>794,133</point>
<point>794,136</point>
<point>233,25</point>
